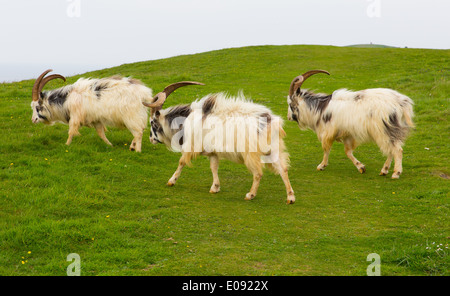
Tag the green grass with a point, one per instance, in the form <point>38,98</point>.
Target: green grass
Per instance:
<point>112,207</point>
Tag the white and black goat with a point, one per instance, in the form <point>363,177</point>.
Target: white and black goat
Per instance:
<point>222,127</point>
<point>98,103</point>
<point>378,115</point>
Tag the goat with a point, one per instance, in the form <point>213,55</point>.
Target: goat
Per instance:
<point>114,101</point>
<point>222,127</point>
<point>379,115</point>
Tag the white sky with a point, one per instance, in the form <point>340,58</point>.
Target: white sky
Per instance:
<point>74,36</point>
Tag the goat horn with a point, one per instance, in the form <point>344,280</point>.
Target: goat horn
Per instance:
<point>36,91</point>
<point>298,81</point>
<point>48,78</point>
<point>161,97</point>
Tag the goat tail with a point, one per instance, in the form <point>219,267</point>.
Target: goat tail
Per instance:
<point>408,118</point>
<point>408,114</point>
<point>188,157</point>
<point>282,133</point>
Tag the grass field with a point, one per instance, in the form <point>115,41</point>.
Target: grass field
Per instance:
<point>113,208</point>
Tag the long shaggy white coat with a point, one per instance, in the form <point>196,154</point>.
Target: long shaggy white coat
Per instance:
<point>225,127</point>
<point>99,103</point>
<point>380,115</point>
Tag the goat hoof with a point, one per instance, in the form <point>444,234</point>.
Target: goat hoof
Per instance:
<point>215,188</point>
<point>321,167</point>
<point>249,196</point>
<point>290,199</point>
<point>362,169</point>
<point>383,174</point>
<point>172,181</point>
<point>396,175</point>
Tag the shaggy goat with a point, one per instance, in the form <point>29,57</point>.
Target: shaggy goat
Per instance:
<point>379,115</point>
<point>221,127</point>
<point>98,103</point>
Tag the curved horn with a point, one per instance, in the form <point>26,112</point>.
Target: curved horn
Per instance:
<point>36,91</point>
<point>51,77</point>
<point>161,97</point>
<point>171,88</point>
<point>48,78</point>
<point>298,81</point>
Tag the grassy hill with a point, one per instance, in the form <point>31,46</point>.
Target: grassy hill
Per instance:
<point>371,45</point>
<point>113,208</point>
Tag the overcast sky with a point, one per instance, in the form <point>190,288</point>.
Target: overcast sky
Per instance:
<point>75,36</point>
